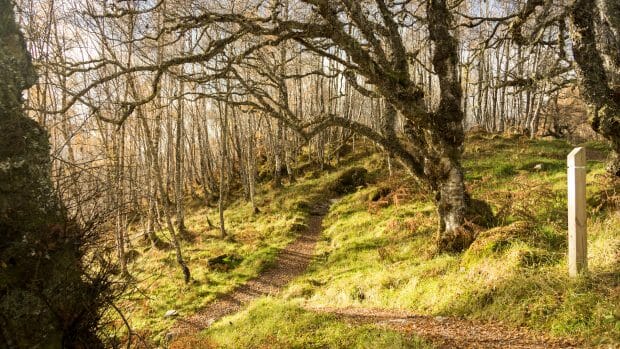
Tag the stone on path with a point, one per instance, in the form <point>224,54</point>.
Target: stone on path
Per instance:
<point>171,313</point>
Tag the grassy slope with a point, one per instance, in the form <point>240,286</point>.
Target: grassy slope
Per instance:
<point>379,254</point>
<point>273,323</point>
<point>376,255</point>
<point>257,238</point>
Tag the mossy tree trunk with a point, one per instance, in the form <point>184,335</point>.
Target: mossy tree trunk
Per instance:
<point>596,74</point>
<point>434,139</point>
<point>45,299</point>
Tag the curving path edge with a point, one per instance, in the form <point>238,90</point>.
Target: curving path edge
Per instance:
<point>291,262</point>
<point>451,332</point>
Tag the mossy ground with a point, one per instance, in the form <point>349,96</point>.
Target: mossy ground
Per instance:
<point>380,253</point>
<point>256,238</point>
<point>274,323</point>
<point>157,283</point>
<point>377,250</point>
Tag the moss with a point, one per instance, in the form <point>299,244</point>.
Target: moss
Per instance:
<point>497,239</point>
<point>514,271</point>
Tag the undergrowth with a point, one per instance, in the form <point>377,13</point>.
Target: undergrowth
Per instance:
<point>255,241</point>
<point>377,248</point>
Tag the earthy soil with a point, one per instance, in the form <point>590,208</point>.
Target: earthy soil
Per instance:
<point>450,332</point>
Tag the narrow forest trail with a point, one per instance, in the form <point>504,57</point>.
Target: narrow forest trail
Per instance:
<point>442,332</point>
<point>449,332</point>
<point>291,262</point>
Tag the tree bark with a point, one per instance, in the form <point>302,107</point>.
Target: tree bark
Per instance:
<point>451,206</point>
<point>179,165</point>
<point>223,161</point>
<point>448,175</point>
<point>603,102</point>
<point>46,300</point>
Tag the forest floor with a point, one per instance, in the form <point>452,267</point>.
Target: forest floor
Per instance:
<point>451,332</point>
<point>437,331</point>
<point>367,275</point>
<point>291,262</point>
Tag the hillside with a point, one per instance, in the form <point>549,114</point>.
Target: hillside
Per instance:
<point>309,174</point>
<point>377,251</point>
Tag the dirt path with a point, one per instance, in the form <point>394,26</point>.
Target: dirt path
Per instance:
<point>449,332</point>
<point>443,332</point>
<point>290,263</point>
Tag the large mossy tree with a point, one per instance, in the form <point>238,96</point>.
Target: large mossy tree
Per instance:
<point>46,298</point>
<point>595,32</point>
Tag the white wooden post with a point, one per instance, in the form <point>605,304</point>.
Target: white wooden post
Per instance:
<point>577,234</point>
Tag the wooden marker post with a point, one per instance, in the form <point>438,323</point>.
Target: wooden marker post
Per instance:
<point>577,235</point>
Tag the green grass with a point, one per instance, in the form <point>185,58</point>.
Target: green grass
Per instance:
<point>273,323</point>
<point>384,256</point>
<point>381,254</point>
<point>257,238</point>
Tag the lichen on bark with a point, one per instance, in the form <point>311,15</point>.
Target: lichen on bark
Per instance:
<point>595,77</point>
<point>45,301</point>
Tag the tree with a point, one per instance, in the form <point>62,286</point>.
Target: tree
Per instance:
<point>590,29</point>
<point>364,40</point>
<point>408,57</point>
<point>377,52</point>
<point>415,75</point>
<point>595,33</point>
<point>42,278</point>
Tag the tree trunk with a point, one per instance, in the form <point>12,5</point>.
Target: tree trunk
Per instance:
<point>120,200</point>
<point>603,102</point>
<point>179,166</point>
<point>46,300</point>
<point>502,108</point>
<point>447,173</point>
<point>251,161</point>
<point>451,207</point>
<point>277,176</point>
<point>165,205</point>
<point>223,160</point>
